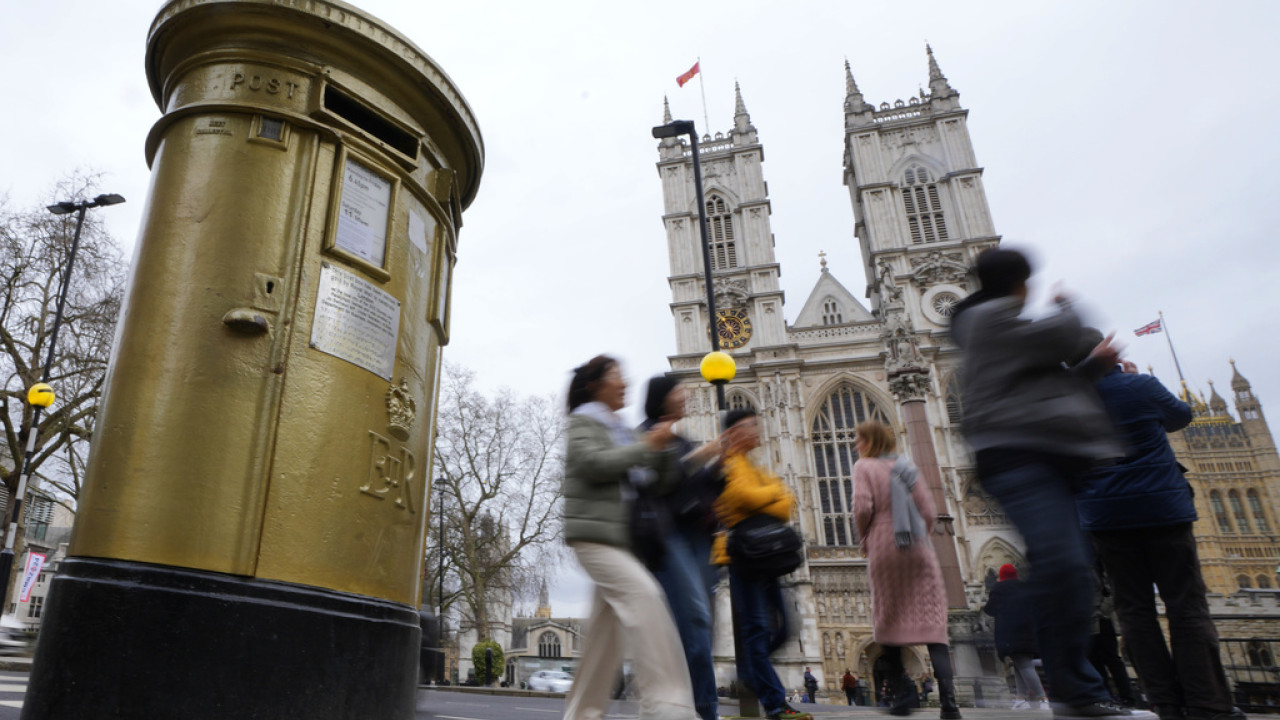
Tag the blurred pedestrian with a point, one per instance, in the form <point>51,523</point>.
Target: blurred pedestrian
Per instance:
<point>1104,649</point>
<point>810,686</point>
<point>686,574</point>
<point>1140,512</point>
<point>908,601</point>
<point>1016,637</point>
<point>749,491</point>
<point>1036,427</point>
<point>605,461</point>
<point>849,684</point>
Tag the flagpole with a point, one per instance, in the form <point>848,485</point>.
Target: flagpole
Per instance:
<point>1169,339</point>
<point>706,124</point>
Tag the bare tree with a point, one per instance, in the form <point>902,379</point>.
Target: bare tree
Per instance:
<point>34,249</point>
<point>499,465</point>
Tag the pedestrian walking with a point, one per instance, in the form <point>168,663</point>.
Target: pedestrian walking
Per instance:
<point>908,601</point>
<point>751,491</point>
<point>1016,637</point>
<point>1104,649</point>
<point>1036,427</point>
<point>605,460</point>
<point>686,574</point>
<point>1140,513</point>
<point>849,684</point>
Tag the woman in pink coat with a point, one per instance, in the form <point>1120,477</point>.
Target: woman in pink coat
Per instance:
<point>894,515</point>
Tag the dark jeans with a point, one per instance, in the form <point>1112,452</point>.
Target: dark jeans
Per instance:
<point>687,579</point>
<point>1037,496</point>
<point>1192,676</point>
<point>1104,653</point>
<point>761,621</point>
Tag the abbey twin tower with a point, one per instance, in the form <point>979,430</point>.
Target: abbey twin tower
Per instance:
<point>920,218</point>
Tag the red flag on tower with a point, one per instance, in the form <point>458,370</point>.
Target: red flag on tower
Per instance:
<point>689,75</point>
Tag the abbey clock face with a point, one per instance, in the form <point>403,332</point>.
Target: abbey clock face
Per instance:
<point>734,328</point>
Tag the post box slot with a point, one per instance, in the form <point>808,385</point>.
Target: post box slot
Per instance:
<point>363,117</point>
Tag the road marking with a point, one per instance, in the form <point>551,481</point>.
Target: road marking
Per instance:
<point>468,704</point>
<point>13,687</point>
<point>538,710</point>
<point>455,717</point>
<point>11,703</point>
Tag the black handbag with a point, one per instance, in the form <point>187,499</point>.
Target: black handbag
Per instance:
<point>763,546</point>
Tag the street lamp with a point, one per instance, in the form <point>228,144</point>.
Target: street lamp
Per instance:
<point>716,367</point>
<point>440,592</point>
<point>672,129</point>
<point>41,395</point>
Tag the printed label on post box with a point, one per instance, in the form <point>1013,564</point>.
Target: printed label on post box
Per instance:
<point>356,320</point>
<point>362,214</point>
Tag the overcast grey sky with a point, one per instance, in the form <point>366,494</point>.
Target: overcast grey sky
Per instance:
<point>1130,145</point>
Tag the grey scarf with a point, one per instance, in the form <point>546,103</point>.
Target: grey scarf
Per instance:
<point>908,526</point>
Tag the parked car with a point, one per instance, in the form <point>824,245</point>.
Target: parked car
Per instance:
<point>551,681</point>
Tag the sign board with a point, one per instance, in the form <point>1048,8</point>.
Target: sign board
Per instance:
<point>356,320</point>
<point>362,213</point>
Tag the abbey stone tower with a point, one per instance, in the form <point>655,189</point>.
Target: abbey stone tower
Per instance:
<point>920,218</point>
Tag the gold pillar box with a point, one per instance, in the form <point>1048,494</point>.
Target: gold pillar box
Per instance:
<point>250,533</point>
<point>269,409</point>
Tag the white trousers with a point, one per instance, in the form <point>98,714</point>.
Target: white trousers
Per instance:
<point>628,609</point>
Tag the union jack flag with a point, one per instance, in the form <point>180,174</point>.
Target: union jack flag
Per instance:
<point>1151,327</point>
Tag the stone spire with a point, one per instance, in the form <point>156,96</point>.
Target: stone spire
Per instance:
<point>1238,382</point>
<point>938,86</point>
<point>853,100</point>
<point>666,110</point>
<point>744,133</point>
<point>1217,405</point>
<point>544,601</point>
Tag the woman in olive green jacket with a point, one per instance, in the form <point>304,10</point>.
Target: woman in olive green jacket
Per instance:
<point>604,462</point>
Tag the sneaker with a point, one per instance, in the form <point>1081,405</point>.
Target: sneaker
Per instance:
<point>1020,704</point>
<point>1044,704</point>
<point>790,713</point>
<point>1101,710</point>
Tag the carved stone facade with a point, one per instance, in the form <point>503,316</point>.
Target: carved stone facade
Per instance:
<point>920,217</point>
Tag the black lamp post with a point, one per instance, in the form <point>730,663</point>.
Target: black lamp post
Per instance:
<point>717,367</point>
<point>440,592</point>
<point>41,396</point>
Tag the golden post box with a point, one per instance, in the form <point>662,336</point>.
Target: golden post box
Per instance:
<point>251,529</point>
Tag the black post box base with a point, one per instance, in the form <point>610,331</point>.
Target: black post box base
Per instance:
<point>132,640</point>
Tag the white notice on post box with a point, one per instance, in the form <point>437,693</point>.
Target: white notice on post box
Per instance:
<point>355,320</point>
<point>362,213</point>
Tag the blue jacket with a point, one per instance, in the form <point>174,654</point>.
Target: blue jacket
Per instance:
<point>1145,488</point>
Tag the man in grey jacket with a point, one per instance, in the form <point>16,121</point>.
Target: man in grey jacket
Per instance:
<point>1036,426</point>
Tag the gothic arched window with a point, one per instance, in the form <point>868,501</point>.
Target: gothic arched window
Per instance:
<point>724,251</point>
<point>1237,507</point>
<point>738,401</point>
<point>831,314</point>
<point>923,206</point>
<point>833,458</point>
<point>548,645</point>
<point>1220,511</point>
<point>1244,582</point>
<point>1259,517</point>
<point>1264,582</point>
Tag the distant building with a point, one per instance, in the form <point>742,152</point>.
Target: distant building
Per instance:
<point>542,642</point>
<point>1233,466</point>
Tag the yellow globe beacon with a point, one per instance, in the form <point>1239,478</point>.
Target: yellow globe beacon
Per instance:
<point>40,394</point>
<point>718,367</point>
